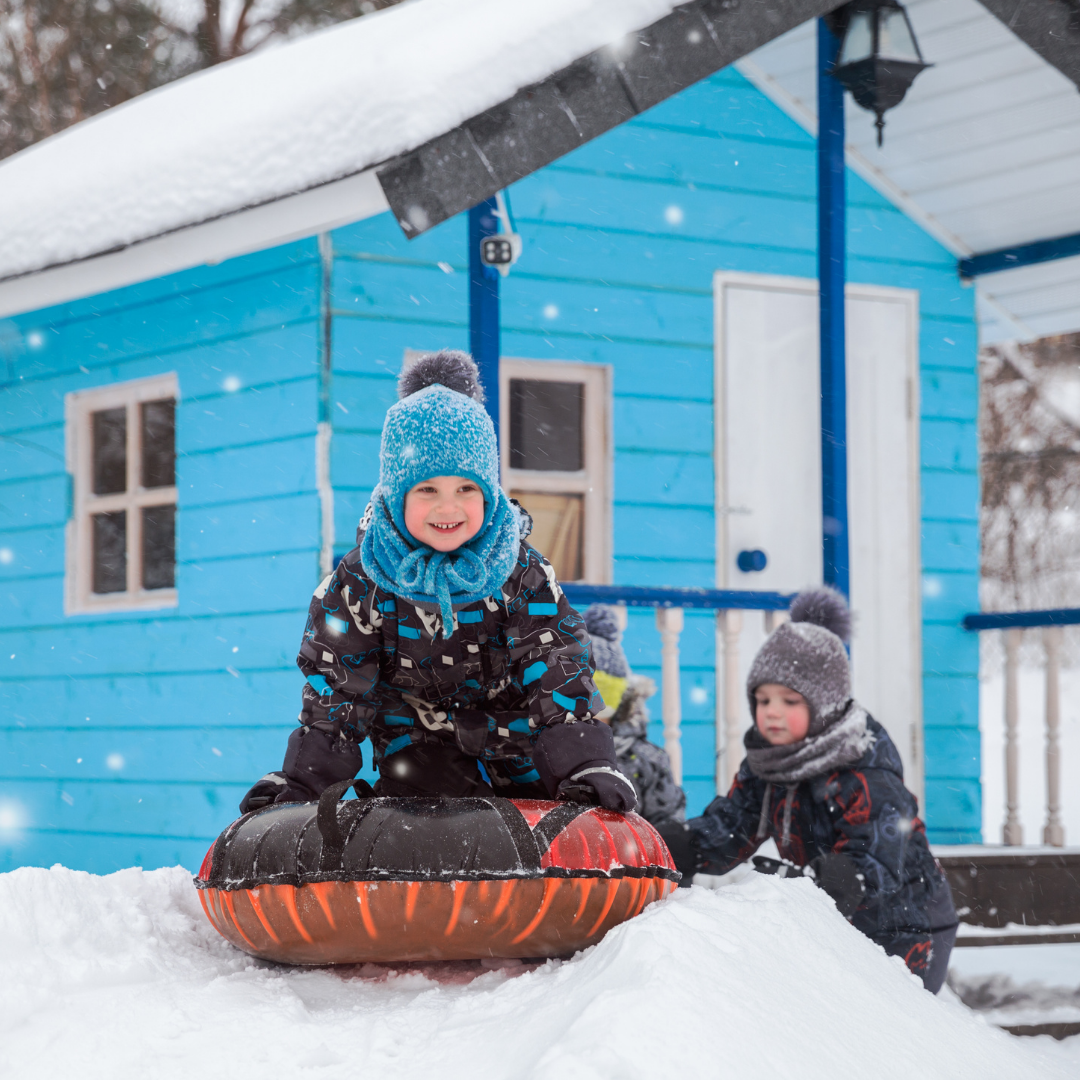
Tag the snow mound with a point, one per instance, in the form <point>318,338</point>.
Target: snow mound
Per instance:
<point>288,119</point>
<point>122,976</point>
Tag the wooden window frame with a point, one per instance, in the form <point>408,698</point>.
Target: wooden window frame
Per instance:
<point>79,597</point>
<point>594,482</point>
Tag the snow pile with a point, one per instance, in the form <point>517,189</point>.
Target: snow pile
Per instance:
<point>288,119</point>
<point>122,976</point>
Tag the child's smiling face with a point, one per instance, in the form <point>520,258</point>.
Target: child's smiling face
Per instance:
<point>782,714</point>
<point>444,512</point>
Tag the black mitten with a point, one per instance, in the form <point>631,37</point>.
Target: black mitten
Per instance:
<point>838,875</point>
<point>832,872</point>
<point>683,853</point>
<point>779,867</point>
<point>264,792</point>
<point>315,759</point>
<point>576,761</point>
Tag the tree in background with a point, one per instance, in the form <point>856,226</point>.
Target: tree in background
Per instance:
<point>1029,430</point>
<point>64,60</point>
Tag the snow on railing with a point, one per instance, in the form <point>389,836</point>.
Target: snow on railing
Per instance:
<point>1014,623</point>
<point>729,606</point>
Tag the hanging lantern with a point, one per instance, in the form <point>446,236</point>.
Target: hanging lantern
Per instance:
<point>878,57</point>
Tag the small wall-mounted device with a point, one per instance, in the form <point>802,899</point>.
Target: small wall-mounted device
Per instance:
<point>504,248</point>
<point>751,561</point>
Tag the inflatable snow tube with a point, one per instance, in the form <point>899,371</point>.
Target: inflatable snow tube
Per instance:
<point>390,879</point>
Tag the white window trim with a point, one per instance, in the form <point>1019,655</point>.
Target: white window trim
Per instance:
<point>595,480</point>
<point>78,407</point>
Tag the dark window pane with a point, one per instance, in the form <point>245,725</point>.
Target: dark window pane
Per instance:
<point>110,451</point>
<point>159,547</point>
<point>545,425</point>
<point>110,552</point>
<point>158,443</point>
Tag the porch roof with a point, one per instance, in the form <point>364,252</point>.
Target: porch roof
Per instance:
<point>984,151</point>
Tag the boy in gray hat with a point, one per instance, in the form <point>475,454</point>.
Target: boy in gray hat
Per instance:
<point>823,779</point>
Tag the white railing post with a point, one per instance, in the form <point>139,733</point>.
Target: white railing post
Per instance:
<point>774,618</point>
<point>731,623</point>
<point>1013,832</point>
<point>669,621</point>
<point>1053,830</point>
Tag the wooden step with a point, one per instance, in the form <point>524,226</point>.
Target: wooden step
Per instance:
<point>996,886</point>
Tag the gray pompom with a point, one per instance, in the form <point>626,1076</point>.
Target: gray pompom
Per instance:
<point>825,607</point>
<point>451,368</point>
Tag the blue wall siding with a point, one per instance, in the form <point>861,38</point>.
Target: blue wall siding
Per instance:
<point>128,738</point>
<point>610,274</point>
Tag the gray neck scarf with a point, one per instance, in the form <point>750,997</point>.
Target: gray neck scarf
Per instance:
<point>842,743</point>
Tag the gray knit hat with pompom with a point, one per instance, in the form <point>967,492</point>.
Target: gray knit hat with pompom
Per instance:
<point>603,625</point>
<point>807,654</point>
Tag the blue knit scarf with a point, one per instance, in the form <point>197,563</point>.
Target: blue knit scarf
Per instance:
<point>401,565</point>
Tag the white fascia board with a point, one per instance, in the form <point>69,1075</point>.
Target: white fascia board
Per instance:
<point>256,228</point>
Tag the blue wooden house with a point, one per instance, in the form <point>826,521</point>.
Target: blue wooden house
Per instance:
<point>189,435</point>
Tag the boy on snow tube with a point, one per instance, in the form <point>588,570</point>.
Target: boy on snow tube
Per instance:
<point>443,636</point>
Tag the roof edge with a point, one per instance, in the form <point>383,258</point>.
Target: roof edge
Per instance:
<point>256,228</point>
<point>1050,28</point>
<point>544,121</point>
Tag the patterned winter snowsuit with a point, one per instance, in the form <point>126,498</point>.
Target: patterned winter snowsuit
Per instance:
<point>864,812</point>
<point>377,666</point>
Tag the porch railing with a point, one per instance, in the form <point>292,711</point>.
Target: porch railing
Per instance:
<point>730,606</point>
<point>1014,623</point>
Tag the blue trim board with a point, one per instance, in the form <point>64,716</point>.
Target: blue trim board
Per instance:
<point>1012,258</point>
<point>832,244</point>
<point>644,596</point>
<point>1003,620</point>
<point>484,306</point>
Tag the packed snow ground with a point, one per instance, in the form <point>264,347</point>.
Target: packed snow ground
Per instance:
<point>1020,984</point>
<point>122,976</point>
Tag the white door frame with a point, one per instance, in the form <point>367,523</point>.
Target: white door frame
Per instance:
<point>722,281</point>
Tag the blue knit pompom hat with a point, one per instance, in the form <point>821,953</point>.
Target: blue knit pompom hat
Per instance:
<point>439,428</point>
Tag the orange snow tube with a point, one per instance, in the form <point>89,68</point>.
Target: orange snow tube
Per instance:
<point>379,879</point>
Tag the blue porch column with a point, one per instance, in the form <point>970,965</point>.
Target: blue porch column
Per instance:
<point>831,274</point>
<point>484,306</point>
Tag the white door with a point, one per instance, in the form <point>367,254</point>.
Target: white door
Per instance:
<point>768,474</point>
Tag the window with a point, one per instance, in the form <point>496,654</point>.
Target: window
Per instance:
<point>121,446</point>
<point>556,452</point>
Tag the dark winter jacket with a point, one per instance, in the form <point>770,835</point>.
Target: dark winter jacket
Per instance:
<point>863,811</point>
<point>660,800</point>
<point>377,666</point>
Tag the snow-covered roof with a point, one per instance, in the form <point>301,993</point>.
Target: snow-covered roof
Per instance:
<point>984,151</point>
<point>288,120</point>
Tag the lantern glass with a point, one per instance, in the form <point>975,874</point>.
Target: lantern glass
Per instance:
<point>859,39</point>
<point>896,41</point>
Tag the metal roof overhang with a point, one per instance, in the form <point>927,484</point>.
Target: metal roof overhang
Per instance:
<point>595,94</point>
<point>984,151</point>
